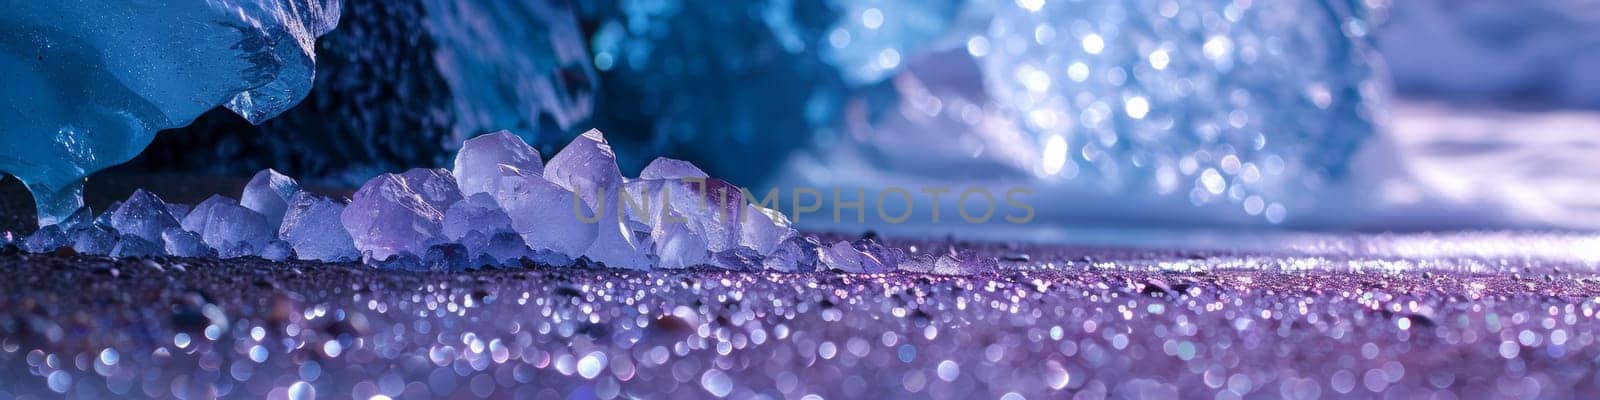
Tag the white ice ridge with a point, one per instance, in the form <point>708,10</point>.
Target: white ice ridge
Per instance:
<point>500,206</point>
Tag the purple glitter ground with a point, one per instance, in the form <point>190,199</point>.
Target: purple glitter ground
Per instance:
<point>1052,322</point>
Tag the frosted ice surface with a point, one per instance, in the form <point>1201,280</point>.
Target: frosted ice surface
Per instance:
<point>89,83</point>
<point>446,257</point>
<point>478,163</point>
<point>477,213</point>
<point>762,229</point>
<point>181,243</point>
<point>94,240</point>
<point>134,246</point>
<point>676,246</point>
<point>234,231</point>
<point>796,254</point>
<point>268,193</point>
<point>312,227</point>
<point>277,250</point>
<point>547,216</point>
<point>669,168</point>
<point>588,167</point>
<point>434,185</point>
<point>45,239</point>
<point>144,215</point>
<point>505,249</point>
<point>387,218</point>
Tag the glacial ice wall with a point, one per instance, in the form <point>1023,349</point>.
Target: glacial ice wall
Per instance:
<point>89,83</point>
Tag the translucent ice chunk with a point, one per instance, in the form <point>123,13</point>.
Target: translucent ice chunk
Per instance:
<point>235,231</point>
<point>796,254</point>
<point>668,168</point>
<point>446,257</point>
<point>387,218</point>
<point>676,246</point>
<point>90,82</point>
<point>843,256</point>
<point>277,250</point>
<point>762,229</point>
<point>135,246</point>
<point>46,239</point>
<point>182,243</point>
<point>547,216</point>
<point>434,185</point>
<point>143,215</point>
<point>200,215</point>
<point>588,167</point>
<point>268,193</point>
<point>311,227</point>
<point>94,239</point>
<point>478,164</point>
<point>477,213</point>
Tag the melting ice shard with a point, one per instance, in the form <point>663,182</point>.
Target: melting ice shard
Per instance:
<point>88,83</point>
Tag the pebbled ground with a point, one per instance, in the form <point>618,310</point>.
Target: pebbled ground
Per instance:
<point>1346,321</point>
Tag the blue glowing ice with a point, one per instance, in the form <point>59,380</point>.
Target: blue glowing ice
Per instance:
<point>90,82</point>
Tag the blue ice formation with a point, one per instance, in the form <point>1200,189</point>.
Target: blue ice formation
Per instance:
<point>82,93</point>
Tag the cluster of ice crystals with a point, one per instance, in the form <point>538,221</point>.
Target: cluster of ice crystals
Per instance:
<point>500,207</point>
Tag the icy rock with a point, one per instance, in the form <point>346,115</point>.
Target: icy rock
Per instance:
<point>80,219</point>
<point>740,259</point>
<point>668,168</point>
<point>44,240</point>
<point>476,220</point>
<point>889,257</point>
<point>477,213</point>
<point>958,264</point>
<point>268,193</point>
<point>230,229</point>
<point>446,257</point>
<point>711,208</point>
<point>505,249</point>
<point>676,246</point>
<point>795,254</point>
<point>90,83</point>
<point>94,239</point>
<point>842,256</point>
<point>179,211</point>
<point>143,215</point>
<point>478,163</point>
<point>387,218</point>
<point>311,226</point>
<point>105,217</point>
<point>588,167</point>
<point>548,217</point>
<point>277,250</point>
<point>763,229</point>
<point>181,243</point>
<point>200,215</point>
<point>434,185</point>
<point>129,245</point>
